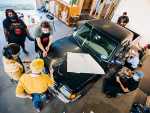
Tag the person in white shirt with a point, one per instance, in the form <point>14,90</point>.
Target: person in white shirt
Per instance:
<point>132,61</point>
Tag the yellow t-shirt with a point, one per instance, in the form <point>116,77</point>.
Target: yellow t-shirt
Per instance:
<point>13,68</point>
<point>33,84</point>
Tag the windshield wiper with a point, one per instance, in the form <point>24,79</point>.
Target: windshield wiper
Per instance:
<point>86,47</point>
<point>77,41</point>
<point>93,53</point>
<point>84,42</point>
<point>90,50</point>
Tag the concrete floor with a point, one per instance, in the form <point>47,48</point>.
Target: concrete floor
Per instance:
<point>94,100</point>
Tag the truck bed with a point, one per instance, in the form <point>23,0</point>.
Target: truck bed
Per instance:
<point>135,39</point>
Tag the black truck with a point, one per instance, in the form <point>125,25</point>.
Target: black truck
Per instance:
<point>104,40</point>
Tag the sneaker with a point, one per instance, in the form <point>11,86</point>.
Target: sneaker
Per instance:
<point>119,94</point>
<point>38,110</point>
<point>12,81</point>
<point>110,94</point>
<point>50,95</point>
<point>26,52</point>
<point>140,64</point>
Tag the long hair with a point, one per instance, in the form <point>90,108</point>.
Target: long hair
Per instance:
<point>11,49</point>
<point>9,20</point>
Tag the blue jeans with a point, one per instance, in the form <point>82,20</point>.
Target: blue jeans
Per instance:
<point>40,97</point>
<point>37,103</point>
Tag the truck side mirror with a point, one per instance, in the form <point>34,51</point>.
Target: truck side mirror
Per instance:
<point>117,62</point>
<point>74,29</point>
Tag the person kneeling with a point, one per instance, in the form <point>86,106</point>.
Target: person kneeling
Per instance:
<point>43,38</point>
<point>116,86</point>
<point>144,53</point>
<point>35,84</point>
<point>132,61</point>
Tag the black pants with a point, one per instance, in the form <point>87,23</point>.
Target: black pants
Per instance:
<point>23,46</point>
<point>114,86</point>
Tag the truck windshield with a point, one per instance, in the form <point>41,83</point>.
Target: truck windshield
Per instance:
<point>93,39</point>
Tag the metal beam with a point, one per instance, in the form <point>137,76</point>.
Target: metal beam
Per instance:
<point>97,8</point>
<point>92,7</point>
<point>108,9</point>
<point>100,12</point>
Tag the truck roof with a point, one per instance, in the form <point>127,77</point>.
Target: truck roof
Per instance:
<point>111,29</point>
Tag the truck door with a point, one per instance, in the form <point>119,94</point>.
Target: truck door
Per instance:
<point>122,51</point>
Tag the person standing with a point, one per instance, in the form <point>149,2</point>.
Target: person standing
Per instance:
<point>13,65</point>
<point>15,29</point>
<point>44,37</point>
<point>35,84</point>
<point>123,20</point>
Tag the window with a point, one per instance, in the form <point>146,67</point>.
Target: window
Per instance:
<point>96,41</point>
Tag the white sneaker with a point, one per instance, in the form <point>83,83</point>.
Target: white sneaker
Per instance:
<point>119,94</point>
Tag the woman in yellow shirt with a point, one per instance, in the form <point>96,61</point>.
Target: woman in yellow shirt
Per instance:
<point>12,63</point>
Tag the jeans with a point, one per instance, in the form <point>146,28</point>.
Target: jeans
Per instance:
<point>37,103</point>
<point>114,86</point>
<point>40,97</point>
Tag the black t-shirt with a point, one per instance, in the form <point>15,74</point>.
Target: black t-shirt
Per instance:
<point>16,31</point>
<point>5,24</point>
<point>124,19</point>
<point>131,84</point>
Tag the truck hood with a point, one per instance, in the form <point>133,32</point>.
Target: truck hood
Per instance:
<point>59,50</point>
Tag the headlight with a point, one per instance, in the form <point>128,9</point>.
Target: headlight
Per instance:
<point>66,93</point>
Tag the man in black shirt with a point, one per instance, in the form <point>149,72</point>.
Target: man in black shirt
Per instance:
<point>123,20</point>
<point>118,87</point>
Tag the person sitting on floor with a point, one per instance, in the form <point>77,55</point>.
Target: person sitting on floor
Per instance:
<point>132,61</point>
<point>145,53</point>
<point>117,86</point>
<point>12,63</point>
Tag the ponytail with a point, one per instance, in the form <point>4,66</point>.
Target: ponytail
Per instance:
<point>11,49</point>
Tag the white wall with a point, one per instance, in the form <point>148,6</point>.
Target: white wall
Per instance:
<point>39,4</point>
<point>138,12</point>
